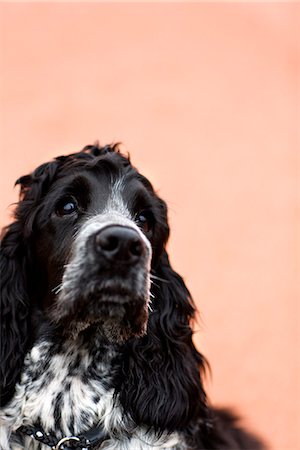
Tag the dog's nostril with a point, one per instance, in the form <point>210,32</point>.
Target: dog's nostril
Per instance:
<point>136,248</point>
<point>119,243</point>
<point>106,242</point>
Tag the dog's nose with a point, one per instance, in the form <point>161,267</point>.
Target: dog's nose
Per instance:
<point>119,244</point>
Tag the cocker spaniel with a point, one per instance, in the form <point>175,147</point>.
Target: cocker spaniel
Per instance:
<point>96,343</point>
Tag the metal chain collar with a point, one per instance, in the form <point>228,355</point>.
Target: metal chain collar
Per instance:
<point>89,440</point>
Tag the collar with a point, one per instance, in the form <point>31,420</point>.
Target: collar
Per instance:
<point>85,441</point>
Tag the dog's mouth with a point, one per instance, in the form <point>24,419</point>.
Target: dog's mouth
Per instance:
<point>111,303</point>
<point>112,294</point>
<point>115,311</point>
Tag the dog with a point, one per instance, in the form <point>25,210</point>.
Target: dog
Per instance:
<point>96,342</point>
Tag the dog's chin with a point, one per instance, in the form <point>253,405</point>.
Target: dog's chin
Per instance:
<point>109,316</point>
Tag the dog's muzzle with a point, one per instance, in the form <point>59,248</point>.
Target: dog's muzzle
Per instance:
<point>107,279</point>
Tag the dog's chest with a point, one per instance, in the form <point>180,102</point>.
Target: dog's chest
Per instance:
<point>68,391</point>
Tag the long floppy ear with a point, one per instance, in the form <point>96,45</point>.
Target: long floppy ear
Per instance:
<point>162,384</point>
<point>14,310</point>
<point>15,261</point>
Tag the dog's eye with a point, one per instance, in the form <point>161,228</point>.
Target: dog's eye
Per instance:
<point>145,221</point>
<point>66,206</point>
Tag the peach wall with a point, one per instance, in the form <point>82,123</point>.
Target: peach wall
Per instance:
<point>204,96</point>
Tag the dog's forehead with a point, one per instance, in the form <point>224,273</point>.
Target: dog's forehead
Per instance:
<point>122,194</point>
<point>104,190</point>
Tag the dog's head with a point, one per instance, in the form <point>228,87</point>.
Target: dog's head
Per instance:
<point>93,226</point>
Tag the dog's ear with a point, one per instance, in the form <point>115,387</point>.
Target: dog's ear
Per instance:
<point>162,384</point>
<point>14,310</point>
<point>15,261</point>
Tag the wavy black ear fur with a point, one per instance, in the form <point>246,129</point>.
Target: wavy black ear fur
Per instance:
<point>160,384</point>
<point>15,301</point>
<point>14,308</point>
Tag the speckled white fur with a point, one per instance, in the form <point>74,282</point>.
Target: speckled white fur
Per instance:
<point>34,396</point>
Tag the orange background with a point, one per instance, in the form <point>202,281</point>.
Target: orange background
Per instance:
<point>204,97</point>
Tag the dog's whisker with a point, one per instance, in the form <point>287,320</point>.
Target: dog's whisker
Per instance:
<point>154,284</point>
<point>57,289</point>
<point>154,277</point>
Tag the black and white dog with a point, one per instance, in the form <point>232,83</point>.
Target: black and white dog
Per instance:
<point>96,344</point>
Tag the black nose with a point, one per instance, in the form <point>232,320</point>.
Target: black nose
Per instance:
<point>119,244</point>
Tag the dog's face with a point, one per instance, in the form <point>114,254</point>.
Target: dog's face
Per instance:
<point>97,230</point>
